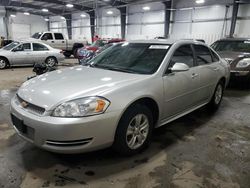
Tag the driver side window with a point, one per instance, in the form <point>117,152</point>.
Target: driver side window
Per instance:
<point>183,54</point>
<point>47,36</point>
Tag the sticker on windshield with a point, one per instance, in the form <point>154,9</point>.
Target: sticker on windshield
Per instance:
<point>159,47</point>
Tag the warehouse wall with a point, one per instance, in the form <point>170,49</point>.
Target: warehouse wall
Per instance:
<point>23,26</point>
<point>109,26</point>
<point>2,24</point>
<point>209,23</point>
<point>145,24</point>
<point>243,24</point>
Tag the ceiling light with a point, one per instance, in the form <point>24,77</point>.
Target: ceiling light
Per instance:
<point>12,15</point>
<point>45,10</point>
<point>200,1</point>
<point>83,15</point>
<point>146,8</point>
<point>109,12</point>
<point>69,5</point>
<point>46,19</point>
<point>26,13</point>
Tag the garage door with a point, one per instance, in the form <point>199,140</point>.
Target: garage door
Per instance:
<point>20,31</point>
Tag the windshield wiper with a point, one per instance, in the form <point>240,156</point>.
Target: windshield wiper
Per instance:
<point>114,69</point>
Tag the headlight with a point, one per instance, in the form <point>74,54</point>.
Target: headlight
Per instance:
<point>243,63</point>
<point>82,107</point>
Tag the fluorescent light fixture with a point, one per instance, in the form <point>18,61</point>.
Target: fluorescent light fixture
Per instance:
<point>109,12</point>
<point>62,18</point>
<point>12,15</point>
<point>146,8</point>
<point>26,13</point>
<point>45,10</point>
<point>200,1</point>
<point>83,15</point>
<point>46,19</point>
<point>69,5</point>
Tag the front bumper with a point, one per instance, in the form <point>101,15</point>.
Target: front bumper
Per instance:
<point>66,135</point>
<point>235,73</point>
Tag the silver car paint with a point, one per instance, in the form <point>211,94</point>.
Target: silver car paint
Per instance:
<point>175,94</point>
<point>30,57</point>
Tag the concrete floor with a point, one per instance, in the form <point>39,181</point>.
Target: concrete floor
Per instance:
<point>198,150</point>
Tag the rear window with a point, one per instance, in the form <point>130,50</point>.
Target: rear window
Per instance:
<point>203,55</point>
<point>39,47</point>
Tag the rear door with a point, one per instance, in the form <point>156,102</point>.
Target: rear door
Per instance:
<point>181,88</point>
<point>209,70</point>
<point>60,42</point>
<point>40,53</point>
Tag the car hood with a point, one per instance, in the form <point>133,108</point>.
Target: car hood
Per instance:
<point>4,52</point>
<point>233,58</point>
<point>51,89</point>
<point>232,55</point>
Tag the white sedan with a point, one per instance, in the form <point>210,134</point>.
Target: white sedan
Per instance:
<point>28,53</point>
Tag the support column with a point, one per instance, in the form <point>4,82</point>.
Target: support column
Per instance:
<point>123,13</point>
<point>68,18</point>
<point>168,6</point>
<point>92,24</point>
<point>234,18</point>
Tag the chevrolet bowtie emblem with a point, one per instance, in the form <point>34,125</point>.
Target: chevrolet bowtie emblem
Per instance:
<point>24,104</point>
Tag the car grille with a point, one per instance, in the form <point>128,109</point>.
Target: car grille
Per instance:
<point>30,107</point>
<point>69,143</point>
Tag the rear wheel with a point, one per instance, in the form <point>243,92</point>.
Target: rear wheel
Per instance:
<point>217,97</point>
<point>3,63</point>
<point>134,130</point>
<point>51,61</point>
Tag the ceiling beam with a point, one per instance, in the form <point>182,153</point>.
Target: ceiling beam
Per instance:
<point>76,6</point>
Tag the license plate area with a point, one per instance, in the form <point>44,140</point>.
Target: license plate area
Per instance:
<point>18,123</point>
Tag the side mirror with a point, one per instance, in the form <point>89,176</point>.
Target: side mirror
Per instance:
<point>179,67</point>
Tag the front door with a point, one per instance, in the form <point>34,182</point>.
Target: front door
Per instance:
<point>180,88</point>
<point>21,54</point>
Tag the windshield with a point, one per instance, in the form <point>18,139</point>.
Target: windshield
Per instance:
<point>132,58</point>
<point>11,46</point>
<point>235,46</point>
<point>36,35</point>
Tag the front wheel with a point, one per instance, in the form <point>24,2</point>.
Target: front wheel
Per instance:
<point>3,63</point>
<point>134,130</point>
<point>51,61</point>
<point>217,97</point>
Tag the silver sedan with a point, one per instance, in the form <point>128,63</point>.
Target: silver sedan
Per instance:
<point>118,97</point>
<point>29,53</point>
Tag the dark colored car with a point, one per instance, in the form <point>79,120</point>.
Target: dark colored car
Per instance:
<point>237,53</point>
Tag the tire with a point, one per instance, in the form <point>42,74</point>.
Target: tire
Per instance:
<point>3,63</point>
<point>67,54</point>
<point>215,102</point>
<point>75,52</point>
<point>51,61</point>
<point>129,139</point>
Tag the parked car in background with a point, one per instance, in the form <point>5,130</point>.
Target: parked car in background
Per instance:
<point>237,52</point>
<point>86,55</point>
<point>119,97</point>
<point>28,53</point>
<point>97,45</point>
<point>58,40</point>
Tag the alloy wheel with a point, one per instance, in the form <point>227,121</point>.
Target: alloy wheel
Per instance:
<point>2,64</point>
<point>218,94</point>
<point>137,131</point>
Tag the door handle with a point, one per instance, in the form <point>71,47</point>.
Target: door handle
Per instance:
<point>62,41</point>
<point>52,41</point>
<point>194,75</point>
